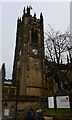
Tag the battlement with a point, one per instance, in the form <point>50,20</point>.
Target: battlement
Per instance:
<point>26,13</point>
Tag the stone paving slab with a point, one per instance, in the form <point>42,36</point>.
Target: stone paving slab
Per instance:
<point>48,118</point>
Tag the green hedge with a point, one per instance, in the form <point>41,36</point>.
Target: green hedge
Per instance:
<point>59,111</point>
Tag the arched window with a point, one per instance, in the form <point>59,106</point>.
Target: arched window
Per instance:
<point>34,36</point>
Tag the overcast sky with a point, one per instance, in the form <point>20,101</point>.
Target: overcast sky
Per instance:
<point>57,14</point>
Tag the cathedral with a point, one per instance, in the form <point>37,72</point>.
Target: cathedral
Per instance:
<point>28,69</point>
<point>32,75</point>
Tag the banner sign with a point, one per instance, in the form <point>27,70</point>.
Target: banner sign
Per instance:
<point>50,102</point>
<point>6,112</point>
<point>62,102</point>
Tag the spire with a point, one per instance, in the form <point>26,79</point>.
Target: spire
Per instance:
<point>24,11</point>
<point>41,20</point>
<point>30,7</point>
<point>34,16</point>
<point>19,20</point>
<point>3,72</point>
<point>28,10</point>
<point>41,16</point>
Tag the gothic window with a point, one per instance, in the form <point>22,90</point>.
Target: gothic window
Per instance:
<point>34,36</point>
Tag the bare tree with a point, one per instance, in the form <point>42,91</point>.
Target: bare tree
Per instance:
<point>70,52</point>
<point>56,44</point>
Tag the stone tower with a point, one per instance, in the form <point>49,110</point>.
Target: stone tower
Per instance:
<point>29,55</point>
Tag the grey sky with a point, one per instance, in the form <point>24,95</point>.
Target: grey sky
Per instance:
<point>71,22</point>
<point>55,14</point>
<point>0,35</point>
<point>71,17</point>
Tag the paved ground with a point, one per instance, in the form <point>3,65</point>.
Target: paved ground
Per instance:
<point>46,118</point>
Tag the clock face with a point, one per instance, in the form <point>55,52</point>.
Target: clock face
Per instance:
<point>35,51</point>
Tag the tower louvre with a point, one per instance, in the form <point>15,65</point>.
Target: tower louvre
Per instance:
<point>29,54</point>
